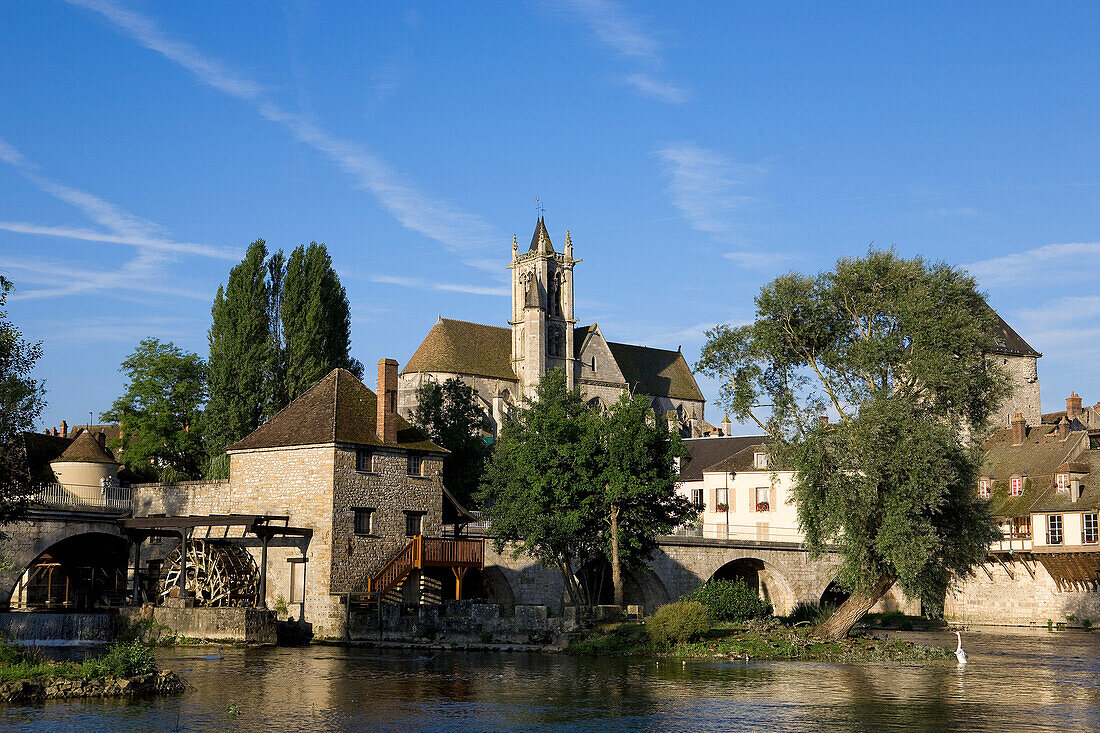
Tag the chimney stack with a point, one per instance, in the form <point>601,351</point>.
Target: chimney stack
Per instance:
<point>1019,429</point>
<point>101,438</point>
<point>727,426</point>
<point>1073,406</point>
<point>387,400</point>
<point>65,426</point>
<point>1063,429</point>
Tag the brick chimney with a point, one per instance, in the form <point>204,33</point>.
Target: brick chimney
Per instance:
<point>65,425</point>
<point>1073,406</point>
<point>101,438</point>
<point>387,400</point>
<point>1063,429</point>
<point>1019,429</point>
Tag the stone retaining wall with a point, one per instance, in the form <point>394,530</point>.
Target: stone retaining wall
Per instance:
<point>234,625</point>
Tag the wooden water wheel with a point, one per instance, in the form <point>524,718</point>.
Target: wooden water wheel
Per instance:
<point>218,574</point>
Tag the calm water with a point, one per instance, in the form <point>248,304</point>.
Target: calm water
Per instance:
<point>1034,681</point>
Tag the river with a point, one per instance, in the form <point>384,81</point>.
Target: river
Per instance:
<point>1015,681</point>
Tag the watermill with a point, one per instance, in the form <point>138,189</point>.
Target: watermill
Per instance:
<point>218,574</point>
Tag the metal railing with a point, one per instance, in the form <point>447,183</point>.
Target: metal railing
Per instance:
<point>85,498</point>
<point>744,532</point>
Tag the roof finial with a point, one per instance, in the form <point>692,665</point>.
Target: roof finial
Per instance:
<point>515,247</point>
<point>568,244</point>
<point>539,208</point>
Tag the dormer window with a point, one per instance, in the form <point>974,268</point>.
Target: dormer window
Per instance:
<point>983,487</point>
<point>760,460</point>
<point>1016,485</point>
<point>1061,481</point>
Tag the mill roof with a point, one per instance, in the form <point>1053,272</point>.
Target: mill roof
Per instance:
<point>703,453</point>
<point>656,371</point>
<point>461,347</point>
<point>86,449</point>
<point>338,409</point>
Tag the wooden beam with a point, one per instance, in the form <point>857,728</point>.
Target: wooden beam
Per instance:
<point>1008,570</point>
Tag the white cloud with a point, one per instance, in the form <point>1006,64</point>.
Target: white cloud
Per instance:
<point>418,284</point>
<point>661,90</point>
<point>623,33</point>
<point>703,185</point>
<point>460,232</point>
<point>1051,264</point>
<point>759,260</point>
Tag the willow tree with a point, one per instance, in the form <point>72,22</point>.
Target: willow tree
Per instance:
<point>897,350</point>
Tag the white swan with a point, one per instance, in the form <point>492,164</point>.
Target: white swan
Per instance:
<point>959,653</point>
<point>213,657</point>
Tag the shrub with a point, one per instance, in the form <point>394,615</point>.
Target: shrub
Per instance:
<point>125,659</point>
<point>810,612</point>
<point>678,622</point>
<point>730,600</point>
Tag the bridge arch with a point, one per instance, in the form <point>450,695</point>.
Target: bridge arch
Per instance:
<point>23,549</point>
<point>770,577</point>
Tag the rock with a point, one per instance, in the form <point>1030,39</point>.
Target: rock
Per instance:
<point>154,683</point>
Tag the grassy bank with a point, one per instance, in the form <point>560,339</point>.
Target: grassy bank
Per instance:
<point>767,639</point>
<point>119,661</point>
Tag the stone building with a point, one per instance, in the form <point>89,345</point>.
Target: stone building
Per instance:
<point>1022,364</point>
<point>505,363</point>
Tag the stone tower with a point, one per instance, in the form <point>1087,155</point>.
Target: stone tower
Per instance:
<point>542,309</point>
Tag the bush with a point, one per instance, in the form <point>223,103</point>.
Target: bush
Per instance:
<point>678,623</point>
<point>125,659</point>
<point>730,600</point>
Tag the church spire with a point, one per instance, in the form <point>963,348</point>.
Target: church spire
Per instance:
<point>540,240</point>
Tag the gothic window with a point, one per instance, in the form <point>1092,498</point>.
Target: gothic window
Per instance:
<point>557,297</point>
<point>557,341</point>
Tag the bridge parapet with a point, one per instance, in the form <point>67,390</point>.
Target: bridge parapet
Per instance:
<point>108,499</point>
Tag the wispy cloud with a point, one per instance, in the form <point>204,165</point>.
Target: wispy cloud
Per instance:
<point>418,284</point>
<point>465,234</point>
<point>145,271</point>
<point>704,186</point>
<point>760,260</point>
<point>1051,264</point>
<point>625,34</point>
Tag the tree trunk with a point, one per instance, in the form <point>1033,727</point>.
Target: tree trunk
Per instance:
<point>853,609</point>
<point>616,570</point>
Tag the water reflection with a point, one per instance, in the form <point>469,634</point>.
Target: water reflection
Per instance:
<point>1015,681</point>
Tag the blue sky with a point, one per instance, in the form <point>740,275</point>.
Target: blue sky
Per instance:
<point>693,150</point>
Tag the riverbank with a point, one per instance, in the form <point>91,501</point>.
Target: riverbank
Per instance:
<point>758,640</point>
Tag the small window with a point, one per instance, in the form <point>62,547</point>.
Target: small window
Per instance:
<point>364,460</point>
<point>760,460</point>
<point>414,524</point>
<point>1089,527</point>
<point>1021,527</point>
<point>364,521</point>
<point>697,499</point>
<point>1054,529</point>
<point>414,464</point>
<point>1016,485</point>
<point>983,488</point>
<point>297,580</point>
<point>721,500</point>
<point>763,499</point>
<point>1061,480</point>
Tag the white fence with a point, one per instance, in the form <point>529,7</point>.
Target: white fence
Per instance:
<point>761,532</point>
<point>87,498</point>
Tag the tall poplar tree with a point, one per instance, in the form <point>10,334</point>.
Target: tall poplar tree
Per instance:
<point>316,320</point>
<point>242,353</point>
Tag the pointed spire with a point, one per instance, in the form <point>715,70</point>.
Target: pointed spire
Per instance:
<point>540,240</point>
<point>568,244</point>
<point>515,247</point>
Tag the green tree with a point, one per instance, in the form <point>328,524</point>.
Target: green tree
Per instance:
<point>316,320</point>
<point>450,415</point>
<point>540,485</point>
<point>242,353</point>
<point>21,402</point>
<point>160,410</point>
<point>639,479</point>
<point>897,348</point>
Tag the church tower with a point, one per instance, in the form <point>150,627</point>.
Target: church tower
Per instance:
<point>542,309</point>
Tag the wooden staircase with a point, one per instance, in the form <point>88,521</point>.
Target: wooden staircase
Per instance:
<point>457,554</point>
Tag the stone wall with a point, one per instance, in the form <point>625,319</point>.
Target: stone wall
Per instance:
<point>41,628</point>
<point>236,625</point>
<point>1019,599</point>
<point>1024,377</point>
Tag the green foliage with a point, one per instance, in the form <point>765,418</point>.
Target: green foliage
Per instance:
<point>161,409</point>
<point>898,348</point>
<point>450,415</point>
<point>810,612</point>
<point>612,640</point>
<point>727,600</point>
<point>677,623</point>
<point>123,659</point>
<point>217,468</point>
<point>21,402</point>
<point>242,352</point>
<point>316,320</point>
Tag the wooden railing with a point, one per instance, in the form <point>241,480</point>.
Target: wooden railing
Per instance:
<point>453,552</point>
<point>397,568</point>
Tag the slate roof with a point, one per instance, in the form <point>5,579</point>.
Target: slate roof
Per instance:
<point>338,409</point>
<point>86,449</point>
<point>742,460</point>
<point>112,431</point>
<point>461,347</point>
<point>702,453</point>
<point>540,229</point>
<point>656,372</point>
<point>1008,342</point>
<point>1038,458</point>
<point>40,449</point>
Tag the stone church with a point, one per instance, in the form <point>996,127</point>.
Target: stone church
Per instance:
<point>505,363</point>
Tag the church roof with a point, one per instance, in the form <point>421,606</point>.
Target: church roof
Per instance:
<point>338,409</point>
<point>86,449</point>
<point>1008,342</point>
<point>656,372</point>
<point>461,347</point>
<point>540,240</point>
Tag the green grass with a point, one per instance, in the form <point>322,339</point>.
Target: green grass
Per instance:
<point>761,640</point>
<point>120,660</point>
